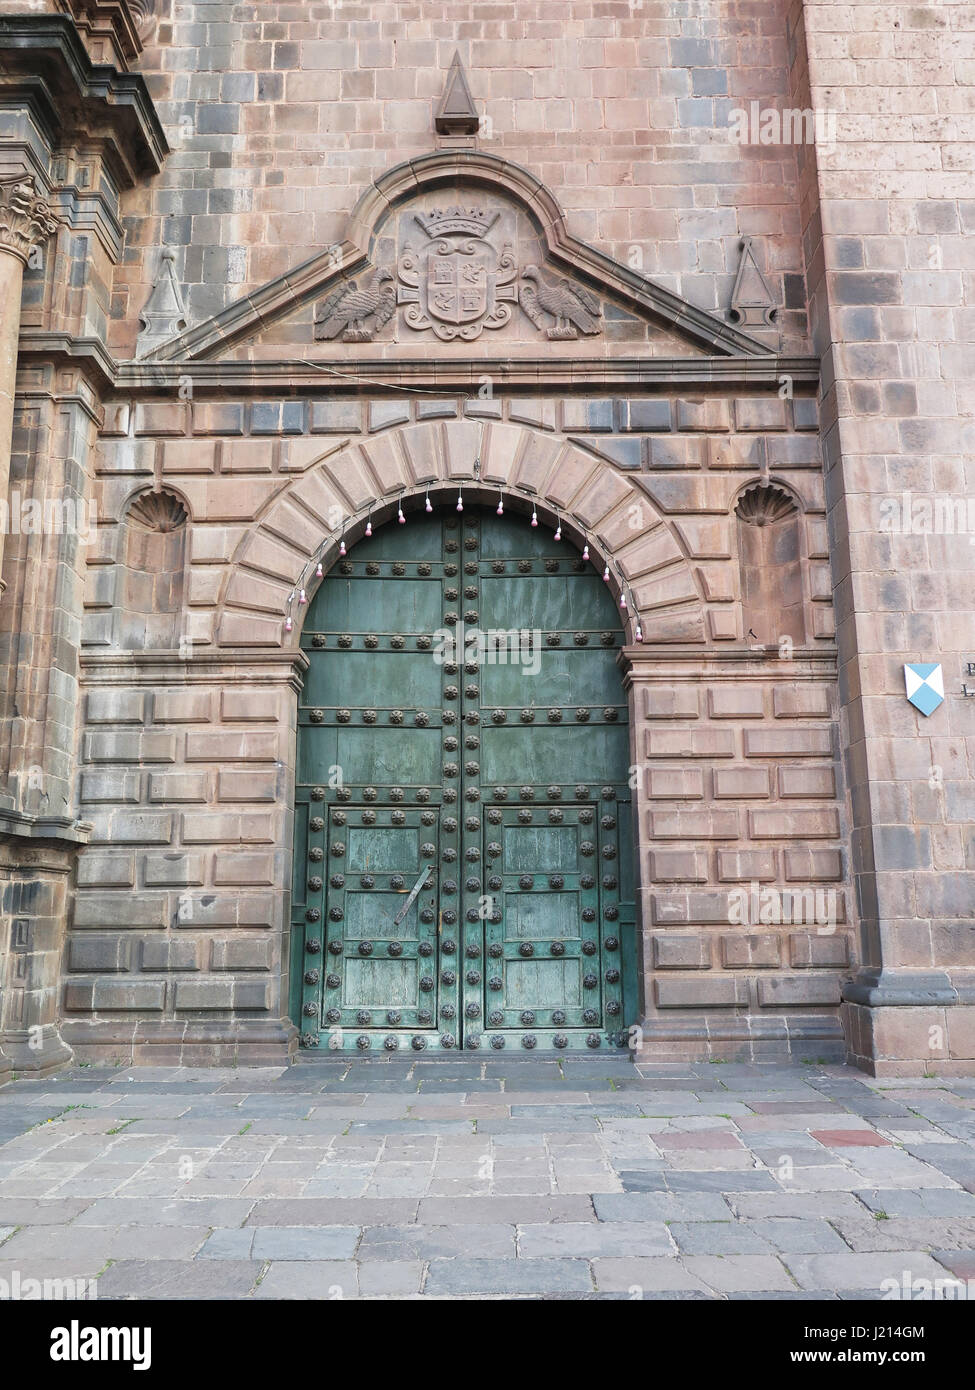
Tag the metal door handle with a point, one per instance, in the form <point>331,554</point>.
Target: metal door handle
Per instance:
<point>414,894</point>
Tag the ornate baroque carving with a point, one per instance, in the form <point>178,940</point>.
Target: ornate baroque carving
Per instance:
<point>349,310</point>
<point>26,220</point>
<point>457,282</point>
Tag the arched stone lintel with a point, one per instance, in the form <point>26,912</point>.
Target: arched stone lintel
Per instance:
<point>334,499</point>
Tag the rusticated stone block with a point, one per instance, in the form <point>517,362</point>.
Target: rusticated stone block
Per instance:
<point>736,702</point>
<point>160,417</point>
<point>137,828</point>
<point>688,951</point>
<point>115,706</point>
<point>761,413</point>
<point>788,743</point>
<point>761,951</point>
<point>173,870</point>
<point>246,870</point>
<point>675,783</point>
<point>247,746</point>
<point>805,991</point>
<point>182,706</point>
<point>178,786</point>
<point>117,996</point>
<point>706,908</point>
<point>246,786</point>
<point>130,748</point>
<point>709,413</point>
<point>723,624</point>
<point>694,825</point>
<point>235,953</point>
<point>263,705</point>
<point>806,781</point>
<point>813,865</point>
<point>701,992</point>
<point>800,701</point>
<point>690,743</point>
<point>743,865</point>
<point>101,954</point>
<point>777,824</point>
<point>191,995</point>
<point>100,910</point>
<point>336,417</point>
<point>106,870</point>
<point>218,417</point>
<point>227,827</point>
<point>740,783</point>
<point>809,950</point>
<point>111,786</point>
<point>678,866</point>
<point>205,910</point>
<point>670,702</point>
<point>169,953</point>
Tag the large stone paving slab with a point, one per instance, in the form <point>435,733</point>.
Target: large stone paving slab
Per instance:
<point>573,1179</point>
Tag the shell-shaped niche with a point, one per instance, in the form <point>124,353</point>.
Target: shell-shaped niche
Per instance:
<point>762,504</point>
<point>158,511</point>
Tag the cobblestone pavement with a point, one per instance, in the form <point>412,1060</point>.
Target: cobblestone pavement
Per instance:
<point>573,1178</point>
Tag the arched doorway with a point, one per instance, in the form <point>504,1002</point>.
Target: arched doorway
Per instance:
<point>463,841</point>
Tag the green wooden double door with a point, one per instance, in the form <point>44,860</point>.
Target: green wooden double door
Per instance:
<point>463,872</point>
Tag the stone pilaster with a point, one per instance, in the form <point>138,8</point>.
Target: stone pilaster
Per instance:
<point>26,222</point>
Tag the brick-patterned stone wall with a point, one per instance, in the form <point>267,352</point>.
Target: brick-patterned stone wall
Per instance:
<point>735,741</point>
<point>745,923</point>
<point>280,115</point>
<point>179,942</point>
<point>888,222</point>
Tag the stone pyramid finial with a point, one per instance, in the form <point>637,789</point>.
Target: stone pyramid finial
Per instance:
<point>457,114</point>
<point>752,304</point>
<point>163,314</point>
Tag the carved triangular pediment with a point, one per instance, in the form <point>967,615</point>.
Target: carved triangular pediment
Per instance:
<point>458,250</point>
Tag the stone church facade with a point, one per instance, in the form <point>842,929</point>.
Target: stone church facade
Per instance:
<point>329,330</point>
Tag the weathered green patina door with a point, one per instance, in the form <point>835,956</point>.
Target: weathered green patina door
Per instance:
<point>463,841</point>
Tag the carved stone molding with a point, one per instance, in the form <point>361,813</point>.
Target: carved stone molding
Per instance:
<point>26,220</point>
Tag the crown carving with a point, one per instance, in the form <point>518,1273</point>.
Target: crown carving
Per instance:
<point>26,220</point>
<point>451,221</point>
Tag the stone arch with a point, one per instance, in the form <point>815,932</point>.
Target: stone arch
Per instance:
<point>336,496</point>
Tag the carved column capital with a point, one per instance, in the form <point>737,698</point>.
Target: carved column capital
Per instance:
<point>26,220</point>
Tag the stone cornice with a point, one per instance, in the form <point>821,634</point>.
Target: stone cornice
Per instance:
<point>594,374</point>
<point>534,374</point>
<point>44,64</point>
<point>26,220</point>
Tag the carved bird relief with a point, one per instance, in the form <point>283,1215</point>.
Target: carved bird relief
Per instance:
<point>574,309</point>
<point>347,310</point>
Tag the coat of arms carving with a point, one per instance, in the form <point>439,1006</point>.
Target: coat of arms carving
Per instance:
<point>456,282</point>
